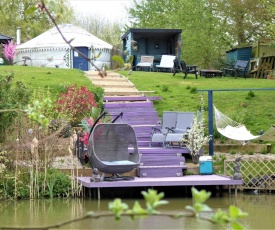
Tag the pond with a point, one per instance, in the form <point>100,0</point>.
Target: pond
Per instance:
<point>34,213</point>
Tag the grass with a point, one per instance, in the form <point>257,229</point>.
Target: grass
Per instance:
<point>49,78</point>
<point>254,108</point>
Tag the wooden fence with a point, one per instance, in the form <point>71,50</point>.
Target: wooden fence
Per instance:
<point>258,173</point>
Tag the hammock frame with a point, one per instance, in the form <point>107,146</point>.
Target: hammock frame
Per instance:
<point>232,129</point>
<point>210,109</point>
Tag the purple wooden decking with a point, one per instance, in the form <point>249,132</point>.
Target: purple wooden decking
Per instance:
<point>131,98</point>
<point>139,112</point>
<point>193,180</point>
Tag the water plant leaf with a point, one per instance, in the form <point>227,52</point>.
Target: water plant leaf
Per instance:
<point>220,217</point>
<point>137,210</point>
<point>200,196</point>
<point>117,207</point>
<point>236,213</point>
<point>236,226</point>
<point>153,200</point>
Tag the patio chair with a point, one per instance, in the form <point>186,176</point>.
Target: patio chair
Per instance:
<point>113,149</point>
<point>238,69</point>
<point>168,123</point>
<point>166,62</point>
<point>146,62</point>
<point>183,125</point>
<point>186,69</point>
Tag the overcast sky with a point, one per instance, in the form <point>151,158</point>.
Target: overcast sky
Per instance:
<point>110,9</point>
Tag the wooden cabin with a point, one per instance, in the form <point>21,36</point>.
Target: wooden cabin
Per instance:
<point>151,42</point>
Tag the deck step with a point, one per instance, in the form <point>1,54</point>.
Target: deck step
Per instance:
<point>159,160</point>
<point>157,150</point>
<point>142,116</point>
<point>160,171</point>
<point>133,98</point>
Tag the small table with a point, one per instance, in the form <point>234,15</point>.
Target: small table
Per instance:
<point>208,73</point>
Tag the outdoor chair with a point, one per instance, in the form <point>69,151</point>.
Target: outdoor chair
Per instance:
<point>113,149</point>
<point>166,63</point>
<point>168,123</point>
<point>146,62</point>
<point>186,69</point>
<point>184,123</point>
<point>238,69</point>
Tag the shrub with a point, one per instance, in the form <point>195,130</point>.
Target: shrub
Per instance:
<point>13,98</point>
<point>232,152</point>
<point>250,95</point>
<point>118,61</point>
<point>193,90</point>
<point>164,88</point>
<point>9,51</point>
<point>75,104</point>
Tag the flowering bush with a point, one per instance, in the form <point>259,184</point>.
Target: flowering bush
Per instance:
<point>196,137</point>
<point>75,103</point>
<point>9,51</point>
<point>86,123</point>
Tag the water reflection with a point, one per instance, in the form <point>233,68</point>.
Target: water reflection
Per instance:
<point>49,212</point>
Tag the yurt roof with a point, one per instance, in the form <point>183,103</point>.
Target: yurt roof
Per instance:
<point>53,39</point>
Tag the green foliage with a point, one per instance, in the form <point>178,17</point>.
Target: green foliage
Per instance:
<point>35,112</point>
<point>199,199</point>
<point>208,34</point>
<point>58,184</point>
<point>31,19</point>
<point>14,96</point>
<point>164,88</point>
<point>154,199</point>
<point>232,151</point>
<point>117,207</point>
<point>193,90</point>
<point>119,62</point>
<point>250,95</point>
<point>218,161</point>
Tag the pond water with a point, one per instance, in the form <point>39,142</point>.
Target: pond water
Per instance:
<point>36,213</point>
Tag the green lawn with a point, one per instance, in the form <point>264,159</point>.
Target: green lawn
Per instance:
<point>258,112</point>
<point>52,78</point>
<point>177,93</point>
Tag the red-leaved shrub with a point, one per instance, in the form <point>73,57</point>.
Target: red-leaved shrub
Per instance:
<point>76,103</point>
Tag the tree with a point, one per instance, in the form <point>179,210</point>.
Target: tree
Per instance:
<point>244,21</point>
<point>102,28</point>
<point>209,27</point>
<point>33,21</point>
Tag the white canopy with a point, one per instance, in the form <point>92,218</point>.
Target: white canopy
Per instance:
<point>52,39</point>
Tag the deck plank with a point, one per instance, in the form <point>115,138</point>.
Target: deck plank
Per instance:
<point>192,180</point>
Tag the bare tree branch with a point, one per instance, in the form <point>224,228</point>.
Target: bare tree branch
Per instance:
<point>45,9</point>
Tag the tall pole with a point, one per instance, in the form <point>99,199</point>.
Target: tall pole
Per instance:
<point>210,122</point>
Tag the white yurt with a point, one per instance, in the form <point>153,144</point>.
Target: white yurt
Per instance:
<point>49,49</point>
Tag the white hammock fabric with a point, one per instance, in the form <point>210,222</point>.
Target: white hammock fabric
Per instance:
<point>232,129</point>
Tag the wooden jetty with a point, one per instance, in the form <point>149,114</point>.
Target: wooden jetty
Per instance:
<point>191,180</point>
<point>159,166</point>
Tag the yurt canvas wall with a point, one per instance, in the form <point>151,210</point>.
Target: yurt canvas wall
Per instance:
<point>49,49</point>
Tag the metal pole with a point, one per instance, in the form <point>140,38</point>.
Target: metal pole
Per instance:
<point>210,121</point>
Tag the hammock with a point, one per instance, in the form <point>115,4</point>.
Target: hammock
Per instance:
<point>232,129</point>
